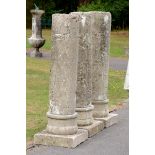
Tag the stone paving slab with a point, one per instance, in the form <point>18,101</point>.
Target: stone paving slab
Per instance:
<point>94,128</point>
<point>118,63</point>
<point>110,120</point>
<point>70,141</point>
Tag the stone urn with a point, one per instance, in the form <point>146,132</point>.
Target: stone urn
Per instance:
<point>36,40</point>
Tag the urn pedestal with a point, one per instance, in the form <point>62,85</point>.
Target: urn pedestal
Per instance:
<point>36,40</point>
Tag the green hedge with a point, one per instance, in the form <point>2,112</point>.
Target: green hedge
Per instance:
<point>118,8</point>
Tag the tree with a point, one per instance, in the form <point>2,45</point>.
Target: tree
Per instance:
<point>29,4</point>
<point>118,8</point>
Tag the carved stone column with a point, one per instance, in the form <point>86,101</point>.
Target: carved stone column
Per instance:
<point>84,81</point>
<point>62,116</point>
<point>62,127</point>
<point>100,29</point>
<point>84,106</point>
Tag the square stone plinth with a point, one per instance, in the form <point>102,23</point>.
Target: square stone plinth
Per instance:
<point>109,120</point>
<point>94,128</point>
<point>70,141</point>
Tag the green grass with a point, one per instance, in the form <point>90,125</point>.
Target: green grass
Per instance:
<point>119,40</point>
<point>37,84</point>
<point>115,90</point>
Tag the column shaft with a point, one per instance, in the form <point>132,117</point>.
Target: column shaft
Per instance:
<point>62,97</point>
<point>84,80</point>
<point>100,30</point>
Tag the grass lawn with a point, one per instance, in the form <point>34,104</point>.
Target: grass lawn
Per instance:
<point>37,85</point>
<point>115,90</point>
<point>37,75</point>
<point>119,40</point>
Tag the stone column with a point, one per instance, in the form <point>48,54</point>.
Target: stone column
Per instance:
<point>62,116</point>
<point>84,106</point>
<point>62,127</point>
<point>101,28</point>
<point>84,80</point>
<point>126,82</point>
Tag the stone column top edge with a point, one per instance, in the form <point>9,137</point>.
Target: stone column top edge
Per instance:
<point>62,14</point>
<point>90,12</point>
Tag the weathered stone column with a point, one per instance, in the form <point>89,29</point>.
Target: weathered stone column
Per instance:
<point>84,81</point>
<point>84,106</point>
<point>62,127</point>
<point>62,116</point>
<point>101,28</point>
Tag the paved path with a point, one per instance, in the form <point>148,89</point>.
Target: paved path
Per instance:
<point>118,63</point>
<point>111,141</point>
<point>115,63</point>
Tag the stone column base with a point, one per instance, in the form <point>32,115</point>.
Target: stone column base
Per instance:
<point>62,124</point>
<point>109,120</point>
<point>70,141</point>
<point>101,108</point>
<point>94,128</point>
<point>85,115</point>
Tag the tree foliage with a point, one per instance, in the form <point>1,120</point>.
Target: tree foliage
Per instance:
<point>118,8</point>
